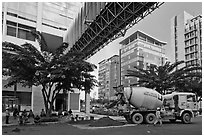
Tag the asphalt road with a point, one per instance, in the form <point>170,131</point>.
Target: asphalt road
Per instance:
<point>195,128</point>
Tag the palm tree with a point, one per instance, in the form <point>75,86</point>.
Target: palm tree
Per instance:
<point>193,84</point>
<point>163,78</point>
<point>54,71</point>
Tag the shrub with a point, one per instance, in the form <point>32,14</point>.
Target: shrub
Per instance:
<point>49,119</point>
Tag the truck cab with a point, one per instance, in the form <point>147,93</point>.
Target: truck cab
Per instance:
<point>183,105</point>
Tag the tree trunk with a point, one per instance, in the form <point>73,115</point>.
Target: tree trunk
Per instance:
<point>64,100</point>
<point>49,112</point>
<point>87,102</point>
<point>45,100</point>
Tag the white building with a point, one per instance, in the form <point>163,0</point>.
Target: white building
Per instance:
<point>177,35</point>
<point>141,50</point>
<point>193,41</point>
<point>52,19</point>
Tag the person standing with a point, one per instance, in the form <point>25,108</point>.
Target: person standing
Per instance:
<point>25,116</point>
<point>42,113</point>
<point>70,112</point>
<point>70,115</point>
<point>158,117</point>
<point>15,113</point>
<point>30,115</point>
<point>7,116</point>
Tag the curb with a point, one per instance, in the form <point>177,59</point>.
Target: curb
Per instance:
<point>80,118</point>
<point>85,127</point>
<point>43,123</point>
<point>8,125</point>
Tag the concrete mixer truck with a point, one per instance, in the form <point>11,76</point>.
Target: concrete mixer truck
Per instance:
<point>139,104</point>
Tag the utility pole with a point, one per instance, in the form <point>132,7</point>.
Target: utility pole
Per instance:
<point>119,67</point>
<point>15,99</point>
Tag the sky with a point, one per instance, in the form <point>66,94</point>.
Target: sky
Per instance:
<point>157,24</point>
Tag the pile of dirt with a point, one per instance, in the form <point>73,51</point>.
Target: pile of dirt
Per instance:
<point>16,130</point>
<point>81,122</point>
<point>105,121</point>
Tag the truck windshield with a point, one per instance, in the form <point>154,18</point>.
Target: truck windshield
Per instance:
<point>191,98</point>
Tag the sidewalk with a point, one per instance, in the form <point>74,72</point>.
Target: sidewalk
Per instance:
<point>13,121</point>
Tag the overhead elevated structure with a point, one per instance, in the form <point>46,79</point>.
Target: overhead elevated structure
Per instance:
<point>99,23</point>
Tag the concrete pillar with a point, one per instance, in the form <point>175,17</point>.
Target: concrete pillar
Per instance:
<point>4,19</point>
<point>68,101</point>
<point>39,16</point>
<point>87,102</point>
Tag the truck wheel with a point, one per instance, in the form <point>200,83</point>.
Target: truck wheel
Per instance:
<point>186,118</point>
<point>137,118</point>
<point>149,118</point>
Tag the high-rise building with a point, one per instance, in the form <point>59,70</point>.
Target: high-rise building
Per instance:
<point>108,77</point>
<point>52,19</point>
<point>141,50</point>
<point>193,41</point>
<point>180,36</point>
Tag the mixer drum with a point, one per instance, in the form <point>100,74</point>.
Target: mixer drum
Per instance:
<point>141,97</point>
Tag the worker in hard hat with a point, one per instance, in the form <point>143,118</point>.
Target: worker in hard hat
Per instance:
<point>158,117</point>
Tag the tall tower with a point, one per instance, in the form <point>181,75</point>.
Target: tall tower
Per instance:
<point>108,77</point>
<point>177,35</point>
<point>193,41</point>
<point>141,50</point>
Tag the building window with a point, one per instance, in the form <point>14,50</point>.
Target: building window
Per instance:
<point>19,30</point>
<point>191,41</point>
<point>196,40</point>
<point>196,33</point>
<point>196,47</point>
<point>11,28</point>
<point>24,32</point>
<point>187,43</point>
<point>187,50</point>
<point>11,31</point>
<point>142,37</point>
<point>192,48</point>
<point>196,54</point>
<point>188,56</point>
<point>191,55</point>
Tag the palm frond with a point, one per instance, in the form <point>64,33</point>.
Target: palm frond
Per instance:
<point>40,39</point>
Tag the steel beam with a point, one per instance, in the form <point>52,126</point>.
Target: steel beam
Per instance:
<point>112,23</point>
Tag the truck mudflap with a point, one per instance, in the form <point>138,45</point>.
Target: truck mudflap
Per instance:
<point>127,117</point>
<point>195,113</point>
